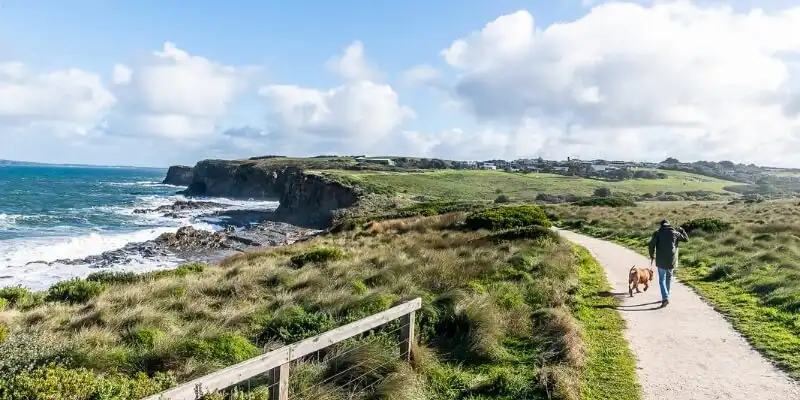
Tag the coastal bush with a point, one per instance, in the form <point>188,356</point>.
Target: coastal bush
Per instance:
<point>295,324</point>
<point>318,255</point>
<point>74,290</point>
<point>20,297</point>
<point>144,337</point>
<point>228,348</point>
<point>3,304</point>
<point>192,268</point>
<point>709,225</point>
<point>507,218</point>
<point>605,202</point>
<point>26,351</point>
<point>3,333</point>
<point>602,192</point>
<point>503,198</point>
<point>526,233</point>
<point>56,382</point>
<point>113,277</point>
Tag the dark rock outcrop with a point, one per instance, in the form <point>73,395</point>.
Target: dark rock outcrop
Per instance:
<point>178,175</point>
<point>305,199</point>
<point>181,206</point>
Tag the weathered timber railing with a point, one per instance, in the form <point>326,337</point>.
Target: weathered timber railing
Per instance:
<point>275,364</point>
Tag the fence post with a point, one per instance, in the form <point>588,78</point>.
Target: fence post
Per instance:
<point>279,377</point>
<point>407,335</point>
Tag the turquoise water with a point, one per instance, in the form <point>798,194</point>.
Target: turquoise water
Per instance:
<point>49,213</point>
<point>38,201</point>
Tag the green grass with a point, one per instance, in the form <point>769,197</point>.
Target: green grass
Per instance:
<point>750,273</point>
<point>610,365</point>
<point>472,185</point>
<point>497,321</point>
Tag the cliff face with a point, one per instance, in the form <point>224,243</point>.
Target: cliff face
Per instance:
<point>305,199</point>
<point>179,175</point>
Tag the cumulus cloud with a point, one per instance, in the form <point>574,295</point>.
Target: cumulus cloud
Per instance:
<point>669,73</point>
<point>354,116</point>
<point>174,94</point>
<point>353,65</point>
<point>71,97</point>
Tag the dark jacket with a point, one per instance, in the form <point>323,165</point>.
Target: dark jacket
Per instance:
<point>664,243</point>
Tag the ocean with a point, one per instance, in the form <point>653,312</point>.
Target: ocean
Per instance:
<point>50,213</point>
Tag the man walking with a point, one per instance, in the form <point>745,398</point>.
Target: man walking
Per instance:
<point>664,243</point>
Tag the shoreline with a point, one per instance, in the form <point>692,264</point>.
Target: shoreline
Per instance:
<point>243,228</point>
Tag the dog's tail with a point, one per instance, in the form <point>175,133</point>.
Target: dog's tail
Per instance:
<point>633,268</point>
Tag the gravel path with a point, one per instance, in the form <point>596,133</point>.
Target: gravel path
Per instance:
<point>686,351</point>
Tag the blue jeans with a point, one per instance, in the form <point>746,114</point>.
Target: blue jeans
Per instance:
<point>664,280</point>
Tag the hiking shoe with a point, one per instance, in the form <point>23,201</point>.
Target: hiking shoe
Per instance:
<point>664,303</point>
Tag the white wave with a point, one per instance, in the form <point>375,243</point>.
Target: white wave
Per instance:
<point>8,220</point>
<point>16,254</point>
<point>144,184</point>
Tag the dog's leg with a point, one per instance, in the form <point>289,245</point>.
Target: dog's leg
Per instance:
<point>646,286</point>
<point>630,288</point>
<point>637,288</point>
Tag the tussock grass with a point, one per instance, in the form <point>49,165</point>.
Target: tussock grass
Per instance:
<point>742,258</point>
<point>497,319</point>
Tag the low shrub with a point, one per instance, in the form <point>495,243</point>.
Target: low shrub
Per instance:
<point>27,351</point>
<point>144,337</point>
<point>228,348</point>
<point>74,290</point>
<point>3,304</point>
<point>295,324</point>
<point>20,297</point>
<point>502,199</point>
<point>187,269</point>
<point>526,233</point>
<point>318,255</point>
<point>710,225</point>
<point>113,277</point>
<point>56,382</point>
<point>507,218</point>
<point>605,202</point>
<point>3,333</point>
<point>359,287</point>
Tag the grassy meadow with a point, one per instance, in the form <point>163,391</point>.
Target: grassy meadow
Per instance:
<point>477,185</point>
<point>509,312</point>
<point>749,271</point>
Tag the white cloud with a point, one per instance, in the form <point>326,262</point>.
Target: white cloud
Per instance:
<point>658,76</point>
<point>355,116</point>
<point>72,98</point>
<point>122,74</point>
<point>176,95</point>
<point>421,75</point>
<point>353,65</point>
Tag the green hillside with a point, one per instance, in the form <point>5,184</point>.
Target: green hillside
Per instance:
<point>471,185</point>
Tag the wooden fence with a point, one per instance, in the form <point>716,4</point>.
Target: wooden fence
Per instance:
<point>275,364</point>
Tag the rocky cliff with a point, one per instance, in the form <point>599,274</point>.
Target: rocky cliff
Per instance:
<point>305,199</point>
<point>179,175</point>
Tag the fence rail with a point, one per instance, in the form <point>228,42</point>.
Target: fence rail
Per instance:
<point>275,364</point>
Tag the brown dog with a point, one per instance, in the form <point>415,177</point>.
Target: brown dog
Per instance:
<point>639,276</point>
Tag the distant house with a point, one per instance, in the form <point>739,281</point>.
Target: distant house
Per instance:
<point>599,167</point>
<point>382,161</point>
<point>487,165</point>
<point>560,168</point>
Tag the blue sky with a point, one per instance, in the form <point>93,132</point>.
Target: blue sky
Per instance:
<point>548,81</point>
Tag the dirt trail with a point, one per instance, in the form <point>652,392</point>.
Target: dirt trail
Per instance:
<point>686,351</point>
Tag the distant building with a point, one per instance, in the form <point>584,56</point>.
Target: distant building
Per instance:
<point>382,161</point>
<point>488,165</point>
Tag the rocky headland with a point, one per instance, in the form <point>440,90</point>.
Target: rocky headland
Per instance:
<point>307,200</point>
